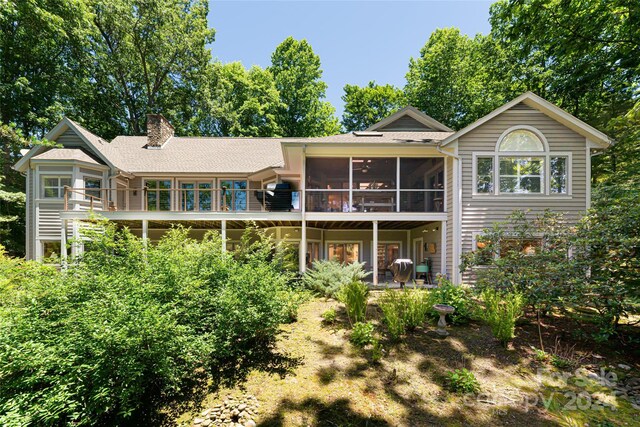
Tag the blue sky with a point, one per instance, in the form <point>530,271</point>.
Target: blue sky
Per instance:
<point>357,41</point>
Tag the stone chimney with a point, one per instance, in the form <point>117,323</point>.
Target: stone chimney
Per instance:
<point>159,130</point>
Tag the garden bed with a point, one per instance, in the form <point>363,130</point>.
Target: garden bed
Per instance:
<point>330,382</point>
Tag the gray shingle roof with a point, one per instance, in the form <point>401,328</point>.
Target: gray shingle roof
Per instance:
<point>66,154</point>
<point>382,138</point>
<point>195,154</point>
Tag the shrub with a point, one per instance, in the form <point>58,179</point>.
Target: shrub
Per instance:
<point>502,310</point>
<point>404,310</point>
<point>455,296</point>
<point>124,330</point>
<point>329,316</point>
<point>392,313</point>
<point>376,351</point>
<point>416,308</point>
<point>354,297</point>
<point>327,277</point>
<point>462,381</point>
<point>362,334</point>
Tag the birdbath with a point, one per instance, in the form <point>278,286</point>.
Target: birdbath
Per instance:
<point>443,310</point>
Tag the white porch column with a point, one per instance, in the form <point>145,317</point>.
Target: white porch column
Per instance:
<point>63,241</point>
<point>302,255</point>
<point>145,231</point>
<point>374,259</point>
<point>223,233</point>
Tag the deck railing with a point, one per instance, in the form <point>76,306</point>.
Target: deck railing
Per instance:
<point>181,199</point>
<point>223,199</point>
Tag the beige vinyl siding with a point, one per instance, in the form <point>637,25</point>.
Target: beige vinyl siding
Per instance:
<point>69,139</point>
<point>253,204</point>
<point>450,223</point>
<point>479,212</point>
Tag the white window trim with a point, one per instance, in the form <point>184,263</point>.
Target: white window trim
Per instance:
<point>42,188</point>
<point>171,197</point>
<point>543,139</point>
<point>545,194</point>
<point>196,191</point>
<point>92,178</point>
<point>218,192</point>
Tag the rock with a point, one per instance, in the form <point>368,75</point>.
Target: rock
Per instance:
<point>206,423</point>
<point>250,423</point>
<point>205,412</point>
<point>235,412</point>
<point>242,407</point>
<point>198,421</point>
<point>623,366</point>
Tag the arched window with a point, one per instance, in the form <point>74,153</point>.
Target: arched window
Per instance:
<point>521,164</point>
<point>521,140</point>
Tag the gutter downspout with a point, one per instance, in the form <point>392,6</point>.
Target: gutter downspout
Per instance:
<point>456,236</point>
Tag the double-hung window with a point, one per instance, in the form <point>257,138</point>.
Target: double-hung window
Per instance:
<point>521,164</point>
<point>158,194</point>
<point>53,186</point>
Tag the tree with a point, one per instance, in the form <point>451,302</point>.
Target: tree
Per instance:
<point>12,196</point>
<point>364,106</point>
<point>144,53</point>
<point>296,70</point>
<point>42,50</point>
<point>245,102</point>
<point>581,55</point>
<point>452,79</point>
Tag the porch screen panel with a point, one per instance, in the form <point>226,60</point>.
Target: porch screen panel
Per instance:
<point>422,184</point>
<point>327,184</point>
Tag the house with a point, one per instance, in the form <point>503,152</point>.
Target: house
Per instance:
<point>407,187</point>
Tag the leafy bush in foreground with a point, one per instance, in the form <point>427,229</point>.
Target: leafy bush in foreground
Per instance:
<point>124,330</point>
<point>327,277</point>
<point>362,334</point>
<point>455,296</point>
<point>404,310</point>
<point>354,296</point>
<point>462,381</point>
<point>502,310</point>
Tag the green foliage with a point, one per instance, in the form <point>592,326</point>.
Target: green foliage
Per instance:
<point>560,362</point>
<point>362,334</point>
<point>541,355</point>
<point>364,106</point>
<point>122,331</point>
<point>458,297</point>
<point>462,381</point>
<point>602,273</point>
<point>354,296</point>
<point>245,102</point>
<point>404,311</point>
<point>391,304</point>
<point>376,351</point>
<point>330,316</point>
<point>453,81</point>
<point>326,277</point>
<point>297,73</point>
<point>502,310</point>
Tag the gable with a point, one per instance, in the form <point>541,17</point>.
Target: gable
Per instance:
<point>409,119</point>
<point>530,102</point>
<point>70,135</point>
<point>406,123</point>
<point>558,136</point>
